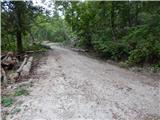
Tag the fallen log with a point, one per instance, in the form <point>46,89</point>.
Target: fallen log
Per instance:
<point>14,77</point>
<point>79,50</point>
<point>9,61</point>
<point>23,63</point>
<point>3,77</point>
<point>23,69</point>
<point>26,68</point>
<point>8,57</point>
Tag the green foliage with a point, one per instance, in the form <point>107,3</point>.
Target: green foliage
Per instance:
<point>7,101</point>
<point>122,31</point>
<point>124,64</point>
<point>156,67</point>
<point>21,91</point>
<point>127,31</point>
<point>137,56</point>
<point>18,18</point>
<point>52,29</point>
<point>35,47</point>
<point>110,49</point>
<point>8,44</point>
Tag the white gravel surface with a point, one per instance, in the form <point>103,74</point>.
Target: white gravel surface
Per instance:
<point>75,87</point>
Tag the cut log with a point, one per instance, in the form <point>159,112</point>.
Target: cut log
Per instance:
<point>9,61</point>
<point>8,57</point>
<point>26,68</point>
<point>23,63</point>
<point>3,76</point>
<point>14,77</point>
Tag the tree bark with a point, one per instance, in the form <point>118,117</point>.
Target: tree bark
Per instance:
<point>112,21</point>
<point>23,63</point>
<point>19,42</point>
<point>27,67</point>
<point>136,14</point>
<point>3,76</point>
<point>19,29</point>
<point>129,14</point>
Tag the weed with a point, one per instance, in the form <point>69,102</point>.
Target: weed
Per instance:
<point>21,91</point>
<point>7,101</point>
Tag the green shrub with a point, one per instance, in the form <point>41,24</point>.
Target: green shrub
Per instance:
<point>156,67</point>
<point>111,50</point>
<point>137,57</point>
<point>124,64</point>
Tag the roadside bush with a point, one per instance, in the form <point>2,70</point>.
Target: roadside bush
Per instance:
<point>137,56</point>
<point>143,44</point>
<point>111,50</point>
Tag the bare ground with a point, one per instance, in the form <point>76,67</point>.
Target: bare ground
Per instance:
<point>71,86</point>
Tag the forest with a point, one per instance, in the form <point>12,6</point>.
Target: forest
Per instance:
<point>121,31</point>
<point>76,60</point>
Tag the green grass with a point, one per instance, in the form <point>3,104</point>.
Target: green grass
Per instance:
<point>7,101</point>
<point>20,92</point>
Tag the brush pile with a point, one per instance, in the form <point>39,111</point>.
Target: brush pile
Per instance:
<point>13,67</point>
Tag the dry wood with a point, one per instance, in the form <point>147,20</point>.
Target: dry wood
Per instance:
<point>26,68</point>
<point>23,63</point>
<point>4,77</point>
<point>8,57</point>
<point>14,77</point>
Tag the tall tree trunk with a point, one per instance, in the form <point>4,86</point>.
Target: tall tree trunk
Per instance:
<point>32,41</point>
<point>19,28</point>
<point>112,21</point>
<point>19,42</point>
<point>129,15</point>
<point>136,14</point>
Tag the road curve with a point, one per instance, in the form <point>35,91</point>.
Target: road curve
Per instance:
<point>75,87</point>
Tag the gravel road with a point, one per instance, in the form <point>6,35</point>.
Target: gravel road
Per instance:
<point>72,86</point>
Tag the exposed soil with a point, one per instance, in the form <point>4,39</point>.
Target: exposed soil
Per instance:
<point>71,86</point>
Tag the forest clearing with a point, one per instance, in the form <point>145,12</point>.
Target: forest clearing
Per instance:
<point>80,60</point>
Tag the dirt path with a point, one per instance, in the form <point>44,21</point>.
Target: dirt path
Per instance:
<point>75,87</point>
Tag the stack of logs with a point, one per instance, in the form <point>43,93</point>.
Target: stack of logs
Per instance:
<point>9,62</point>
